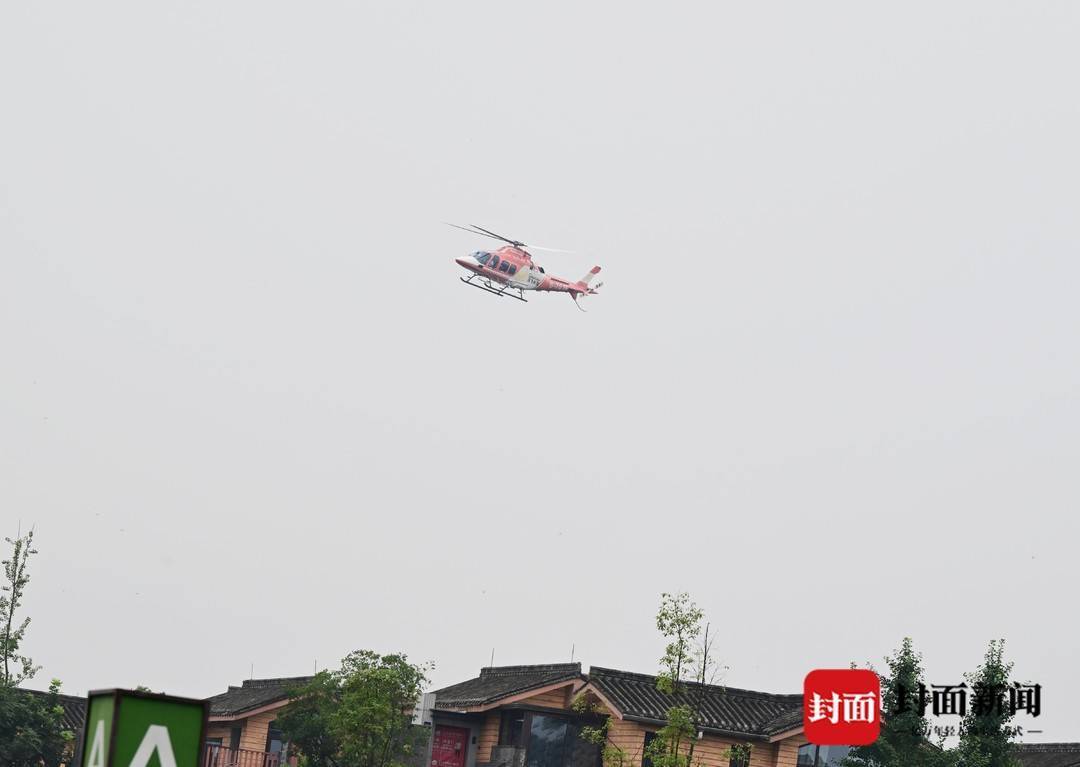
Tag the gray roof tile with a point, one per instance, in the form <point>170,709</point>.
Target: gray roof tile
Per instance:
<point>1048,754</point>
<point>497,682</point>
<point>723,709</point>
<point>253,694</point>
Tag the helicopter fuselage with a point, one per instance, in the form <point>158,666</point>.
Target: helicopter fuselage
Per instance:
<point>513,266</point>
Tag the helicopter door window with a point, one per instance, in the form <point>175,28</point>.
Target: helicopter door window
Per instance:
<point>494,262</point>
<point>504,266</point>
<point>513,269</point>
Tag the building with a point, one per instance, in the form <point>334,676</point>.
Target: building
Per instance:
<point>522,716</point>
<point>242,729</point>
<point>1048,754</point>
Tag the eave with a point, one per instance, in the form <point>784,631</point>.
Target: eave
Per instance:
<point>574,684</point>
<point>236,717</point>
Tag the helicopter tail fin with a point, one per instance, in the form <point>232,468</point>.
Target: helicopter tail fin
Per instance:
<point>588,277</point>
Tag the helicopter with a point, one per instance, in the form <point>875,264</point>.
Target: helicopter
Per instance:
<point>510,270</point>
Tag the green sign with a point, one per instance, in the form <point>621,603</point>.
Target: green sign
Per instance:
<point>140,729</point>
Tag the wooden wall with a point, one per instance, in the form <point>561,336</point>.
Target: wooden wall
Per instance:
<point>710,751</point>
<point>221,730</point>
<point>253,731</point>
<point>488,737</point>
<point>255,728</point>
<point>551,699</point>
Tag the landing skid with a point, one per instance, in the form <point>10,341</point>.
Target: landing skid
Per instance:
<point>485,284</point>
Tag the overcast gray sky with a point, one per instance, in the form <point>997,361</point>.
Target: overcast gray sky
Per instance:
<point>830,386</point>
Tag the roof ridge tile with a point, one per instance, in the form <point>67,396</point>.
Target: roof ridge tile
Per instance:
<point>274,681</point>
<point>723,688</point>
<point>530,669</point>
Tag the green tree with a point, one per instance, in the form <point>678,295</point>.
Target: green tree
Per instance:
<point>359,715</point>
<point>31,728</point>
<point>679,621</point>
<point>903,741</point>
<point>31,725</point>
<point>985,740</point>
<point>17,668</point>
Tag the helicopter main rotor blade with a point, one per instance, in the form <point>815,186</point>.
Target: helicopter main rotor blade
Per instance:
<point>499,236</point>
<point>472,229</point>
<point>549,250</point>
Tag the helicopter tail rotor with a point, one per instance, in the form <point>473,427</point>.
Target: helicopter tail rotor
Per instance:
<point>584,281</point>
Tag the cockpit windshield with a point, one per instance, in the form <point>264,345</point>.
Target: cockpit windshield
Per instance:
<point>481,256</point>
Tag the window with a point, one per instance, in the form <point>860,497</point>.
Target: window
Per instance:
<point>234,738</point>
<point>511,727</point>
<point>555,741</point>
<point>504,266</point>
<point>481,256</point>
<point>513,269</point>
<point>549,740</point>
<point>832,755</point>
<point>740,756</point>
<point>646,760</point>
<point>821,756</point>
<point>580,752</point>
<point>494,262</point>
<point>275,744</point>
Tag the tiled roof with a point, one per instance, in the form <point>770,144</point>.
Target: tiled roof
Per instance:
<point>74,710</point>
<point>254,693</point>
<point>497,682</point>
<point>723,709</point>
<point>788,721</point>
<point>1048,754</point>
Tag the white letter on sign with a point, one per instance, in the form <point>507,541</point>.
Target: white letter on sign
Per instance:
<point>97,748</point>
<point>157,737</point>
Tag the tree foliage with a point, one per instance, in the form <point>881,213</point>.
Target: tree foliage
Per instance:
<point>612,755</point>
<point>984,739</point>
<point>17,668</point>
<point>31,725</point>
<point>688,655</point>
<point>359,715</point>
<point>679,621</point>
<point>31,728</point>
<point>903,741</point>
